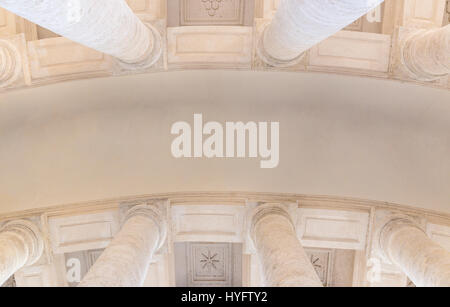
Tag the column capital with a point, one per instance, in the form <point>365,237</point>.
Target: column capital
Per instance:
<point>394,224</point>
<point>154,212</point>
<point>272,61</point>
<point>32,237</point>
<point>10,63</point>
<point>151,56</point>
<point>424,54</point>
<point>266,209</point>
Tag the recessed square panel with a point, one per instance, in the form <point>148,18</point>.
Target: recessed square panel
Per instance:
<point>204,264</point>
<point>210,262</point>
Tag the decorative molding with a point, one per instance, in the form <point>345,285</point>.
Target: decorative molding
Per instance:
<point>332,228</point>
<point>214,12</point>
<point>82,232</point>
<point>423,14</point>
<point>353,50</point>
<point>203,47</point>
<point>357,53</point>
<point>203,223</point>
<point>57,59</point>
<point>230,199</point>
<point>211,222</point>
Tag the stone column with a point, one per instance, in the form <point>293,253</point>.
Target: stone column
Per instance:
<point>104,25</point>
<point>125,261</point>
<point>283,259</point>
<point>10,63</point>
<point>300,24</point>
<point>426,54</point>
<point>406,245</point>
<point>21,244</point>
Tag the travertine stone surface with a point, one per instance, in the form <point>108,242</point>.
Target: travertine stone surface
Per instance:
<point>426,54</point>
<point>125,261</point>
<point>10,63</point>
<point>283,260</point>
<point>107,26</point>
<point>298,25</point>
<point>425,262</point>
<point>20,244</point>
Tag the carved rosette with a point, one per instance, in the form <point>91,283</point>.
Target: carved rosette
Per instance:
<point>10,63</point>
<point>425,54</point>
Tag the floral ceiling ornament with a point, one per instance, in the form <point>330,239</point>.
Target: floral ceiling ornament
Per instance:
<point>212,6</point>
<point>209,260</point>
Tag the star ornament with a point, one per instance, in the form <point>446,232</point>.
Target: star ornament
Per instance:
<point>209,260</point>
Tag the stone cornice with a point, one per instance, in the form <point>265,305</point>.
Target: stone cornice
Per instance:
<point>232,198</point>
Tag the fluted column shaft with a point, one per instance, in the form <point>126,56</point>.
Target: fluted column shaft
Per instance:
<point>426,54</point>
<point>126,259</point>
<point>300,24</point>
<point>283,259</point>
<point>20,244</point>
<point>425,262</point>
<point>108,26</point>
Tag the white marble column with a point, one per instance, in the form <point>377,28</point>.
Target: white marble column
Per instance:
<point>108,26</point>
<point>300,24</point>
<point>10,63</point>
<point>426,54</point>
<point>283,259</point>
<point>406,245</point>
<point>21,244</point>
<point>125,261</point>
